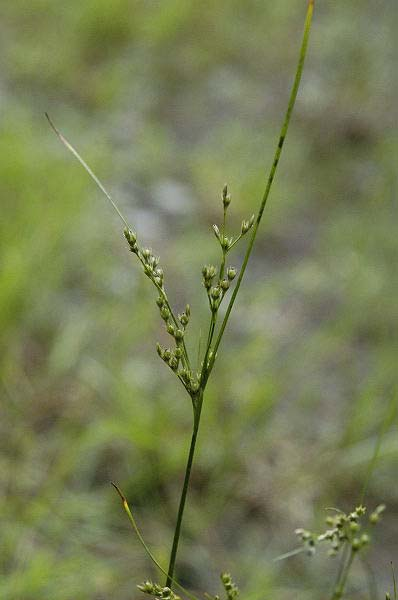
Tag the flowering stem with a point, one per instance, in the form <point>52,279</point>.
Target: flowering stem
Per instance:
<point>342,580</point>
<point>197,412</point>
<point>210,354</point>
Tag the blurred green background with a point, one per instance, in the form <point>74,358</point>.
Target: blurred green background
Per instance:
<point>167,100</point>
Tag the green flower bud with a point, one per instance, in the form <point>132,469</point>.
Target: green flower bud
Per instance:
<point>179,334</point>
<point>178,352</point>
<point>165,313</point>
<point>146,253</point>
<point>376,514</point>
<point>184,374</point>
<point>173,362</point>
<point>231,273</point>
<point>365,539</point>
<point>208,273</point>
<point>194,386</point>
<point>216,231</point>
<point>183,319</point>
<point>130,236</point>
<point>147,587</point>
<point>226,242</point>
<point>224,284</point>
<point>160,301</point>
<point>246,225</point>
<point>167,354</point>
<point>226,198</point>
<point>356,544</point>
<point>159,350</point>
<point>354,526</point>
<point>171,329</point>
<point>215,292</point>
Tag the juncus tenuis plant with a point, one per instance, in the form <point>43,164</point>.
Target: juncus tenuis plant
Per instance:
<point>221,283</point>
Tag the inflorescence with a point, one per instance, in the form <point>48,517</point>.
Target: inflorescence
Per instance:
<point>343,529</point>
<point>165,593</point>
<point>216,281</point>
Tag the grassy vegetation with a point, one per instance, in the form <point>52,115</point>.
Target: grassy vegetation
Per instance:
<point>168,101</point>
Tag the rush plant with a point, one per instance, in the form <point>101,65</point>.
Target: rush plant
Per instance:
<point>222,283</point>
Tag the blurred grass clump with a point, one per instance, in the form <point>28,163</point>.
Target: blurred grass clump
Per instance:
<point>167,101</point>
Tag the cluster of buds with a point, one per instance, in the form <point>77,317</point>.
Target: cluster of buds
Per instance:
<point>216,292</point>
<point>174,358</point>
<point>226,242</point>
<point>226,198</point>
<point>149,262</point>
<point>308,539</point>
<point>343,528</point>
<point>247,225</point>
<point>190,382</point>
<point>131,238</point>
<point>185,316</point>
<point>208,272</point>
<point>172,329</point>
<point>158,591</point>
<point>230,588</point>
<point>170,357</point>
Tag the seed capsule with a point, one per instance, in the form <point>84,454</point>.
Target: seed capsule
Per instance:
<point>226,198</point>
<point>130,236</point>
<point>171,329</point>
<point>165,313</point>
<point>216,231</point>
<point>231,273</point>
<point>215,293</point>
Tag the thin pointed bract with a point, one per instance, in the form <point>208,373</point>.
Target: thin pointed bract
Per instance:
<point>144,544</point>
<point>75,153</point>
<point>277,155</point>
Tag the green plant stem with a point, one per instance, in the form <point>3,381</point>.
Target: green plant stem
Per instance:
<point>342,580</point>
<point>210,355</point>
<point>177,532</point>
<point>277,155</point>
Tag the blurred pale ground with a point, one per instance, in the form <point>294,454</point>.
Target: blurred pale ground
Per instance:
<point>167,100</point>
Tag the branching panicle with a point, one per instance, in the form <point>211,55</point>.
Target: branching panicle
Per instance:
<point>345,535</point>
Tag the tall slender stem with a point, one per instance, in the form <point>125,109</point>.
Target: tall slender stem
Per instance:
<point>342,582</point>
<point>277,155</point>
<point>208,367</point>
<point>177,531</point>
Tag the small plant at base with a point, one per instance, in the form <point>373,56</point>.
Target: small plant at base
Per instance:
<point>345,535</point>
